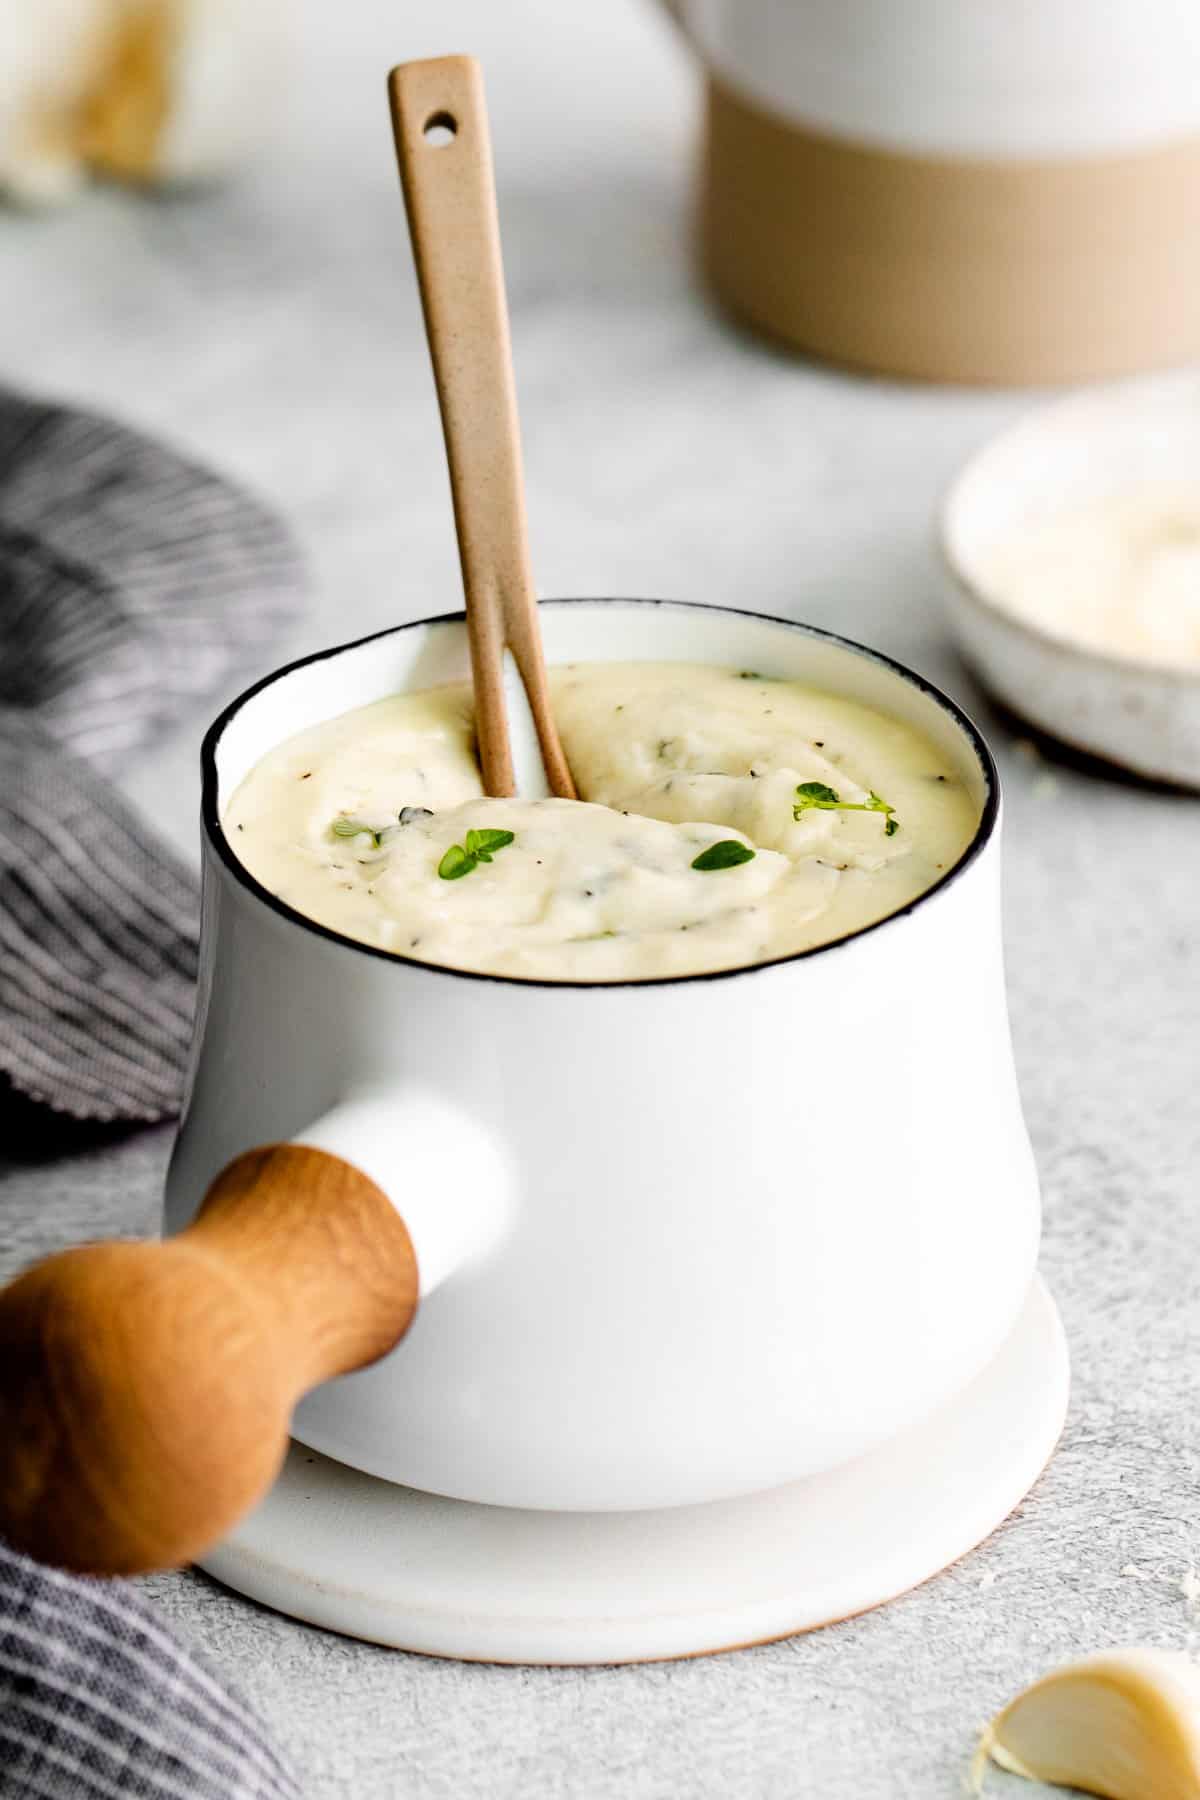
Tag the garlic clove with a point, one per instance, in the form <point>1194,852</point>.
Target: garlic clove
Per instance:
<point>1124,1724</point>
<point>143,90</point>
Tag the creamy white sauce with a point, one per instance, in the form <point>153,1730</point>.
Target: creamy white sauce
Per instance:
<point>669,758</point>
<point>1120,574</point>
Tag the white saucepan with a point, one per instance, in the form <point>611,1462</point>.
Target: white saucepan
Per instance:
<point>676,1239</point>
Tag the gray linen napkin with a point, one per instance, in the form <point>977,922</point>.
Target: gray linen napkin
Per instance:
<point>98,1701</point>
<point>132,584</point>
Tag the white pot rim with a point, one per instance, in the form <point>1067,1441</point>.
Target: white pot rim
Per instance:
<point>216,836</point>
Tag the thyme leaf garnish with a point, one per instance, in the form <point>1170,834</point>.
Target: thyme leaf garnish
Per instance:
<point>726,854</point>
<point>817,796</point>
<point>460,859</point>
<point>352,828</point>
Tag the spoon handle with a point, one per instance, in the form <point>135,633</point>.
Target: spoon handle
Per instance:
<point>439,117</point>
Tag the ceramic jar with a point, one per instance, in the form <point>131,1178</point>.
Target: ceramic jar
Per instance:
<point>983,192</point>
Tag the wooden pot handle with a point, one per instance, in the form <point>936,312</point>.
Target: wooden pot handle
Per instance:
<point>146,1389</point>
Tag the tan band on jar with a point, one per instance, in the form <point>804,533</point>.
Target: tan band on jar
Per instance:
<point>948,269</point>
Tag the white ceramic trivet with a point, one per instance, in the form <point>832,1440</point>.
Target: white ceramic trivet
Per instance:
<point>343,1550</point>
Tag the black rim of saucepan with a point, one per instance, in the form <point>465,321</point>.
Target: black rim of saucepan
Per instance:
<point>220,842</point>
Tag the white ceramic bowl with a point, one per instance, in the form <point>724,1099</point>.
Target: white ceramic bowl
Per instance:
<point>678,1239</point>
<point>1145,716</point>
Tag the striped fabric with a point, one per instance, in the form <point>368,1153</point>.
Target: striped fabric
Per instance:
<point>99,1702</point>
<point>132,585</point>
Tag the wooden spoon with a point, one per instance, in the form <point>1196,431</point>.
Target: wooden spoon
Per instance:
<point>440,120</point>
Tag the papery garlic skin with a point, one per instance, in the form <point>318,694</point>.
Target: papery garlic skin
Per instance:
<point>47,54</point>
<point>1124,1724</point>
<point>143,90</point>
<point>228,78</point>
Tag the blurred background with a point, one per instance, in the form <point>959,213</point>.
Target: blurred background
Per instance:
<point>269,322</point>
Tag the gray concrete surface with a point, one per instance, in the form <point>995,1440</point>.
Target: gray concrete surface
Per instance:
<point>273,327</point>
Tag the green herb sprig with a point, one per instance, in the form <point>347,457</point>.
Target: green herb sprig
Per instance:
<point>816,796</point>
<point>352,828</point>
<point>460,859</point>
<point>343,827</point>
<point>724,855</point>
